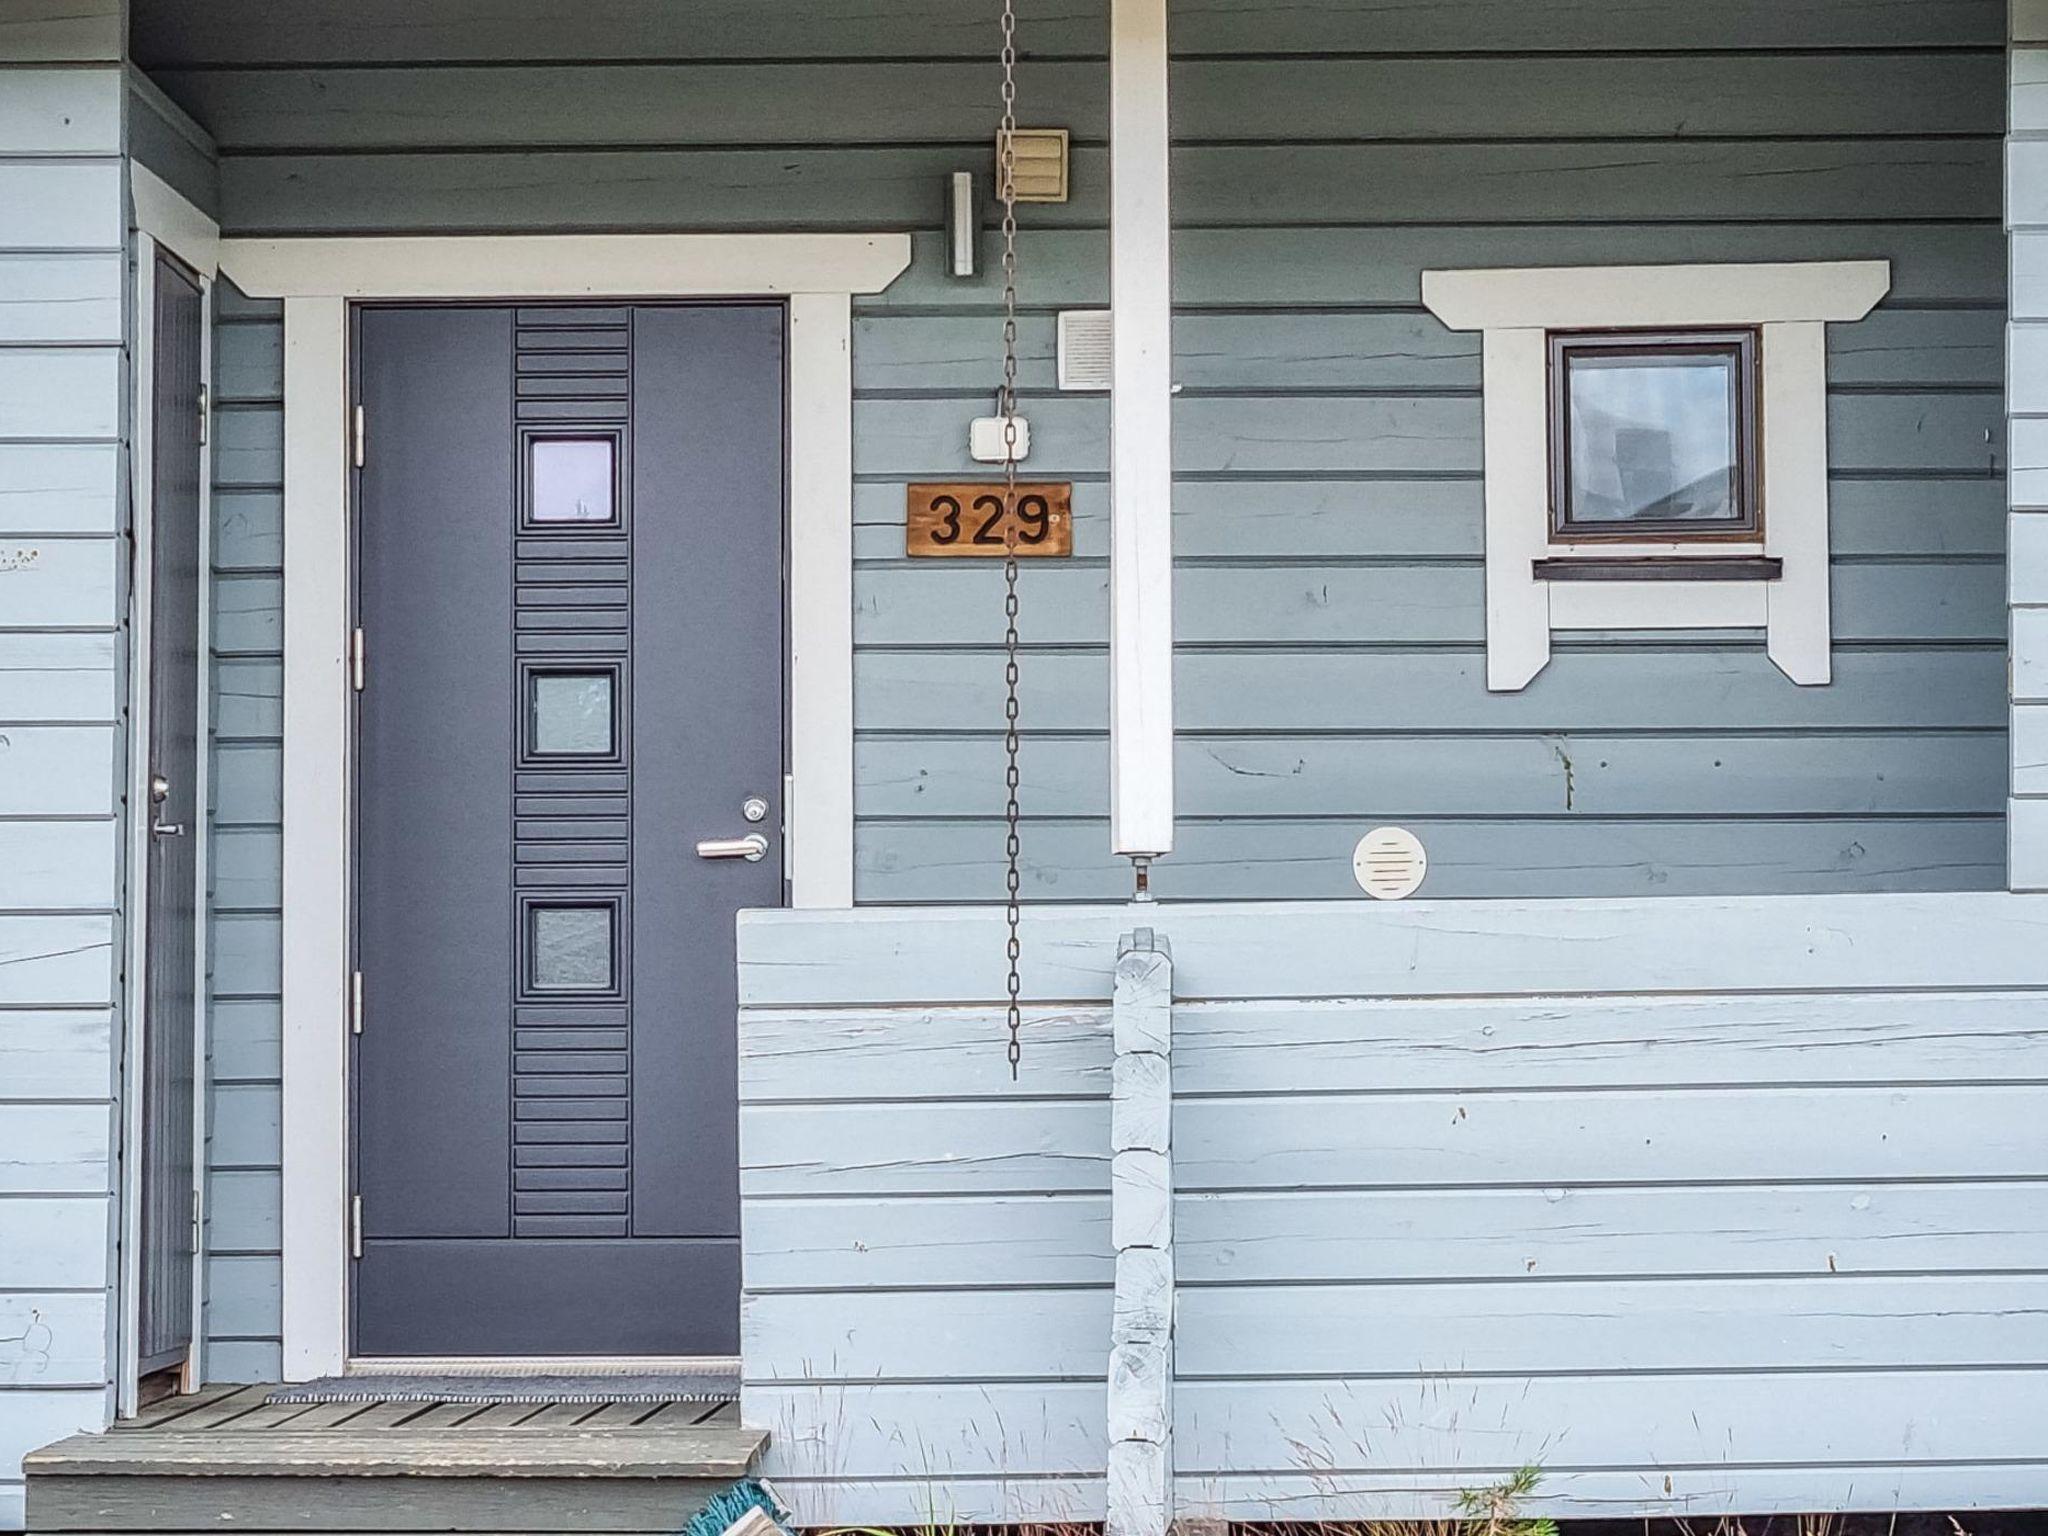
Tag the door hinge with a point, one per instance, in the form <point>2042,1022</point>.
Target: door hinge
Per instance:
<point>205,413</point>
<point>361,432</point>
<point>355,1002</point>
<point>788,849</point>
<point>355,1226</point>
<point>356,659</point>
<point>195,1223</point>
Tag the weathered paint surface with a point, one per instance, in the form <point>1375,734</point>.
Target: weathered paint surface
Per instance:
<point>62,598</point>
<point>1700,1205</point>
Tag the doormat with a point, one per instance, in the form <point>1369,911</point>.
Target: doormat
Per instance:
<point>710,1384</point>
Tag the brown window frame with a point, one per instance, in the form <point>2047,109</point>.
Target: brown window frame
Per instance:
<point>1745,345</point>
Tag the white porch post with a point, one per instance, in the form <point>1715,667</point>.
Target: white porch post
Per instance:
<point>1141,436</point>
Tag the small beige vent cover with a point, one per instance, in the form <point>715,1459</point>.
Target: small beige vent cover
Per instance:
<point>1040,169</point>
<point>1084,349</point>
<point>1390,863</point>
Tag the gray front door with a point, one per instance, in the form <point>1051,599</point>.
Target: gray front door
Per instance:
<point>170,927</point>
<point>569,525</point>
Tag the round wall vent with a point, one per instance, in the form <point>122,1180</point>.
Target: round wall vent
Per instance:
<point>1390,863</point>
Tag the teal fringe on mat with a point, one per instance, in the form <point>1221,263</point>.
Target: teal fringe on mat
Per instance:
<point>727,1506</point>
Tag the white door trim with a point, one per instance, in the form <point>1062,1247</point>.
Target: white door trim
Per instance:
<point>160,217</point>
<point>317,278</point>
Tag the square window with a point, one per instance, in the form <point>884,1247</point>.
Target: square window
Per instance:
<point>1654,437</point>
<point>572,480</point>
<point>571,949</point>
<point>572,714</point>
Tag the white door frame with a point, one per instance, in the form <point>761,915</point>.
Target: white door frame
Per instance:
<point>162,218</point>
<point>317,278</point>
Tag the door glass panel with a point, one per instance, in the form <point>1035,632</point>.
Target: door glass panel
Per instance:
<point>573,479</point>
<point>572,714</point>
<point>572,949</point>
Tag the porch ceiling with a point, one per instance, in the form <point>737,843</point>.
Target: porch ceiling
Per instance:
<point>189,34</point>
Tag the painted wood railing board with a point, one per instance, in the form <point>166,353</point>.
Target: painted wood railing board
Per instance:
<point>1536,1235</point>
<point>1481,1045</point>
<point>840,1246</point>
<point>959,1335</point>
<point>1563,1137</point>
<point>1452,1331</point>
<point>1701,1491</point>
<point>1639,1421</point>
<point>1418,948</point>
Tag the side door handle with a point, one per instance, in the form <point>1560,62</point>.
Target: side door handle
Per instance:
<point>753,848</point>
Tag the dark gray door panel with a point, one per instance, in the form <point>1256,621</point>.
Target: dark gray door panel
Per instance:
<point>434,791</point>
<point>170,1004</point>
<point>571,586</point>
<point>708,708</point>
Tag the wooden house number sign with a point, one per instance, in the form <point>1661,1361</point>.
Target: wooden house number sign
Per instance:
<point>969,518</point>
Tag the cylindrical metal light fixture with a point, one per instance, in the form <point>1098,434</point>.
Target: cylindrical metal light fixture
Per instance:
<point>962,224</point>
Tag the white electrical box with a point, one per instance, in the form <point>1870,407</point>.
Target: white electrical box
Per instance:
<point>985,440</point>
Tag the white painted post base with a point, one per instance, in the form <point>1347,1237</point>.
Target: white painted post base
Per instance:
<point>1140,1496</point>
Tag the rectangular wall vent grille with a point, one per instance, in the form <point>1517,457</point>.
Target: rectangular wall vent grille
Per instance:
<point>1084,349</point>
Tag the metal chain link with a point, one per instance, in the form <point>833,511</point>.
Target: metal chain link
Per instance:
<point>1006,407</point>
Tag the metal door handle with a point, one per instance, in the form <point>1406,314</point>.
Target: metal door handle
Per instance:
<point>753,848</point>
<point>167,829</point>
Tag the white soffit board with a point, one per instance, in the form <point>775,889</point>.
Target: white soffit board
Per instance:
<point>564,266</point>
<point>1612,298</point>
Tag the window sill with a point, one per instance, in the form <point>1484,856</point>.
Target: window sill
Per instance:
<point>1658,568</point>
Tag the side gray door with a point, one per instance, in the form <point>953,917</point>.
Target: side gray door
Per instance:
<point>169,984</point>
<point>570,586</point>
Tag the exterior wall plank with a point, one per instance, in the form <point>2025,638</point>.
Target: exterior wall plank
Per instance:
<point>1440,1206</point>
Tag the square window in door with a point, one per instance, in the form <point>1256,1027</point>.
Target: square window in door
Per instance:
<point>572,480</point>
<point>572,949</point>
<point>1654,436</point>
<point>572,715</point>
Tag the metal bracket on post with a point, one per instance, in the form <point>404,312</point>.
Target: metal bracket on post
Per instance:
<point>1140,1491</point>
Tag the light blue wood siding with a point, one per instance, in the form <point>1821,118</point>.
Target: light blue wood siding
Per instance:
<point>1327,440</point>
<point>62,600</point>
<point>244,1278</point>
<point>2027,214</point>
<point>1701,1205</point>
<point>1328,511</point>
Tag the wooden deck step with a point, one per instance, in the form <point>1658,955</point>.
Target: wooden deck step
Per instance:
<point>236,1464</point>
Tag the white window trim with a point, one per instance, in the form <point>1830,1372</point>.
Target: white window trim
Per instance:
<point>1792,304</point>
<point>317,278</point>
<point>160,216</point>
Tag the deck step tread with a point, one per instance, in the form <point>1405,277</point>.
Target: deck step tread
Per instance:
<point>612,1450</point>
